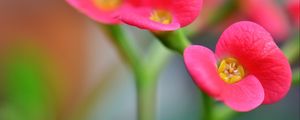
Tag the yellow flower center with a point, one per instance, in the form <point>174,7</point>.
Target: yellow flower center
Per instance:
<point>161,16</point>
<point>231,71</point>
<point>108,5</point>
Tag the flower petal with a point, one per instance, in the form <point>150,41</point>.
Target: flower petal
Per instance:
<point>140,17</point>
<point>88,8</point>
<point>244,95</point>
<point>186,11</point>
<point>201,64</point>
<point>255,49</point>
<point>183,12</point>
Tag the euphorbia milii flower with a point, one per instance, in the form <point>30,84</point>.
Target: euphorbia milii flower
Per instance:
<point>104,11</point>
<point>162,15</point>
<point>247,69</point>
<point>267,14</point>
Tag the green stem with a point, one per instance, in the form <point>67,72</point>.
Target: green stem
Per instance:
<point>222,112</point>
<point>157,58</point>
<point>125,48</point>
<point>146,96</point>
<point>296,76</point>
<point>146,72</point>
<point>177,41</point>
<point>174,40</point>
<point>147,82</point>
<point>207,108</point>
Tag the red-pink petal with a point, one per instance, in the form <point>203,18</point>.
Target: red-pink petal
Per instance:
<point>186,11</point>
<point>89,9</point>
<point>140,17</point>
<point>201,64</point>
<point>183,13</point>
<point>244,95</point>
<point>255,49</point>
<point>269,15</point>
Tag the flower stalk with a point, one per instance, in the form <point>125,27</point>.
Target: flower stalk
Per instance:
<point>178,41</point>
<point>174,40</point>
<point>207,108</point>
<point>145,74</point>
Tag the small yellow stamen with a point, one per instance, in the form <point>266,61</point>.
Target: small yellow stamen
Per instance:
<point>108,5</point>
<point>231,71</point>
<point>161,16</point>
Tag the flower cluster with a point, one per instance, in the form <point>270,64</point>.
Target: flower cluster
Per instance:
<point>160,15</point>
<point>247,68</point>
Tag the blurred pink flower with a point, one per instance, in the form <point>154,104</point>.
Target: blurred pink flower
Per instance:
<point>162,15</point>
<point>252,69</point>
<point>104,11</point>
<point>294,10</point>
<point>267,14</point>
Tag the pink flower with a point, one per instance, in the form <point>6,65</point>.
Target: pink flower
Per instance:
<point>247,70</point>
<point>104,11</point>
<point>269,15</point>
<point>162,15</point>
<point>294,10</point>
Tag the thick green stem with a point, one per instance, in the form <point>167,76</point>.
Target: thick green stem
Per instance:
<point>174,40</point>
<point>153,63</point>
<point>147,81</point>
<point>146,72</point>
<point>157,58</point>
<point>146,96</point>
<point>145,84</point>
<point>121,41</point>
<point>223,112</point>
<point>207,107</point>
<point>177,41</point>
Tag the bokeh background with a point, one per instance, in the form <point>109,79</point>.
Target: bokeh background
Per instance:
<point>56,64</point>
